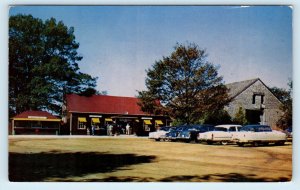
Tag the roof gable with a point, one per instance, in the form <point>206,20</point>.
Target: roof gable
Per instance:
<point>28,114</point>
<point>236,88</point>
<point>103,104</point>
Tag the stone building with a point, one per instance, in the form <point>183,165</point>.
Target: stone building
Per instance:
<point>259,104</point>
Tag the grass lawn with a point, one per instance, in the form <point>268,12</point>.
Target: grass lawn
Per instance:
<point>141,159</point>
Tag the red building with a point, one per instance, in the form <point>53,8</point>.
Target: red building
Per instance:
<point>35,122</point>
<point>101,111</point>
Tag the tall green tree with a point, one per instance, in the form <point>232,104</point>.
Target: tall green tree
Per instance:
<point>43,64</point>
<point>240,117</point>
<point>285,96</point>
<point>186,85</point>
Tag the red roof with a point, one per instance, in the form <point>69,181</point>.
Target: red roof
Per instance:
<point>25,114</point>
<point>104,104</point>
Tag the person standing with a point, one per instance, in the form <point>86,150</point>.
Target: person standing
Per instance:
<point>93,130</point>
<point>127,129</point>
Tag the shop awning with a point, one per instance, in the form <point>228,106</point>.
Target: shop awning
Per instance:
<point>147,122</point>
<point>95,120</point>
<point>108,119</point>
<point>158,122</point>
<point>82,119</point>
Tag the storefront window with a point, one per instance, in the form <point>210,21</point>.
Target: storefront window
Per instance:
<point>147,128</point>
<point>81,123</point>
<point>95,122</point>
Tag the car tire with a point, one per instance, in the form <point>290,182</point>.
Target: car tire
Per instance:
<point>255,143</point>
<point>224,142</point>
<point>280,143</point>
<point>157,139</point>
<point>240,144</point>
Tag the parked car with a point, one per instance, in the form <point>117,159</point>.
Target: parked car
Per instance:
<point>221,134</point>
<point>173,133</point>
<point>259,134</point>
<point>289,133</point>
<point>190,132</point>
<point>160,133</point>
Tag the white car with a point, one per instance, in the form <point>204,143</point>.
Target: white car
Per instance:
<point>221,134</point>
<point>161,132</point>
<point>259,134</point>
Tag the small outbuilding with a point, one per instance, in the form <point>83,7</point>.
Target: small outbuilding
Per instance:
<point>35,122</point>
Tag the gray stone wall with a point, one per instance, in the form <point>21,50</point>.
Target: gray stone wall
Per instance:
<point>270,106</point>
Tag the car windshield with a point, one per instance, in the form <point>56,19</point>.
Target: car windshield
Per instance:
<point>220,129</point>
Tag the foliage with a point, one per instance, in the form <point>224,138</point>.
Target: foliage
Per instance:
<point>240,117</point>
<point>43,64</point>
<point>186,85</point>
<point>285,96</point>
<point>217,117</point>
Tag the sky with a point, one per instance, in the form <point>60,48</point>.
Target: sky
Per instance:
<point>118,43</point>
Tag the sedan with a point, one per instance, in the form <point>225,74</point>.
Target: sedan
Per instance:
<point>259,134</point>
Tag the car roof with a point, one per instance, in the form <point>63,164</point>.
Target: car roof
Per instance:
<point>257,125</point>
<point>228,125</point>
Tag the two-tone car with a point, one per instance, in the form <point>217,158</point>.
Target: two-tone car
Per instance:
<point>191,132</point>
<point>259,134</point>
<point>160,133</point>
<point>221,134</point>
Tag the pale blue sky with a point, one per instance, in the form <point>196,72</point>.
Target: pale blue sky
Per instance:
<point>118,43</point>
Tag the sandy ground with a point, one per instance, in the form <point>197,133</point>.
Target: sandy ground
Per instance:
<point>141,159</point>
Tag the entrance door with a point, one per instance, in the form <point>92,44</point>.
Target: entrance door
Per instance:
<point>254,116</point>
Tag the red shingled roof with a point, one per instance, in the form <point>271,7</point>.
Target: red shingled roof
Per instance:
<point>25,114</point>
<point>104,104</point>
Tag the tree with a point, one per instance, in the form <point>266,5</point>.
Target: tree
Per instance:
<point>217,117</point>
<point>240,117</point>
<point>43,64</point>
<point>186,85</point>
<point>285,96</point>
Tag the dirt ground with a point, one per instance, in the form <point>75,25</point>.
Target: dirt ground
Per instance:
<point>142,160</point>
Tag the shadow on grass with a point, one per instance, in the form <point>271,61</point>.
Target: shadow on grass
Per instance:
<point>39,166</point>
<point>230,177</point>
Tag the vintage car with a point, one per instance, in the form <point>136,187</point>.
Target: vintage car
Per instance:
<point>289,133</point>
<point>190,132</point>
<point>161,132</point>
<point>173,133</point>
<point>221,134</point>
<point>259,134</point>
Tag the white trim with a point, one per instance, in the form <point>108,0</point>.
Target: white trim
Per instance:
<point>95,116</point>
<point>147,118</point>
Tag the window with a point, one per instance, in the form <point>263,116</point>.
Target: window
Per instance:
<point>232,129</point>
<point>81,123</point>
<point>220,129</point>
<point>95,122</point>
<point>253,98</point>
<point>261,98</point>
<point>147,128</point>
